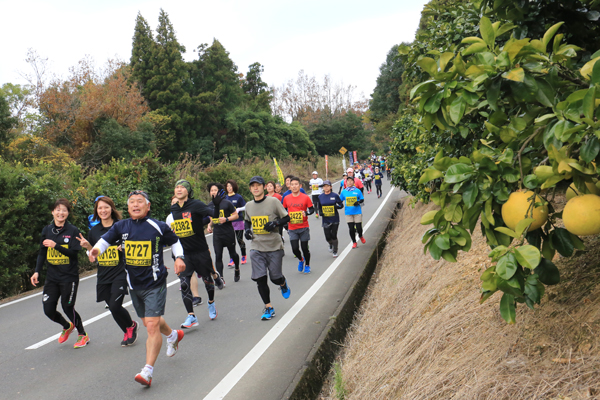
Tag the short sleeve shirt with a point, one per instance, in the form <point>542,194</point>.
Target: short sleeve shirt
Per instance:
<point>259,213</point>
<point>295,207</point>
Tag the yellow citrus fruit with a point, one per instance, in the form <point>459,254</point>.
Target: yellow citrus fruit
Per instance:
<point>514,210</point>
<point>582,215</point>
<point>572,190</point>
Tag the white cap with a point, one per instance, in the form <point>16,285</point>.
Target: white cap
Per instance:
<point>315,173</point>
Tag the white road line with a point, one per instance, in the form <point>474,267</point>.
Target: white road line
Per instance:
<point>234,376</point>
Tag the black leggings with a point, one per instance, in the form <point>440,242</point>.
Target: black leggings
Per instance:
<point>263,287</point>
<point>219,242</point>
<point>67,292</point>
<point>354,228</point>
<point>379,192</point>
<point>315,201</point>
<point>240,239</point>
<point>331,235</point>
<point>296,250</point>
<point>368,185</point>
<point>186,291</point>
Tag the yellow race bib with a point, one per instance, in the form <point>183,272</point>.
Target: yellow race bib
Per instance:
<point>110,258</point>
<point>315,187</point>
<point>182,227</point>
<point>138,253</point>
<point>215,221</point>
<point>258,224</point>
<point>56,258</point>
<point>296,217</point>
<point>377,177</point>
<point>350,201</point>
<point>328,211</point>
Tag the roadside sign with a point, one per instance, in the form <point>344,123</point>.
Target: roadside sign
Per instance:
<point>343,150</point>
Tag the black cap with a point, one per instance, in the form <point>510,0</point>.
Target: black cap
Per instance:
<point>257,179</point>
<point>325,182</point>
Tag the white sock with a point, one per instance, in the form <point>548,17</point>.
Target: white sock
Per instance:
<point>172,337</point>
<point>150,368</point>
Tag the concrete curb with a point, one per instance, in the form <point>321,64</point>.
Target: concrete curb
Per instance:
<point>309,380</point>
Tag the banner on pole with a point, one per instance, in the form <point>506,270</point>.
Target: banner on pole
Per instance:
<point>279,172</point>
<point>350,157</point>
<point>355,158</point>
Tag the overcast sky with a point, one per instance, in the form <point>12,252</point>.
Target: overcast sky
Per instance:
<point>347,39</point>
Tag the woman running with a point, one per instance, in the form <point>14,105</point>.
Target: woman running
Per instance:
<point>329,203</point>
<point>58,250</point>
<point>112,278</point>
<point>353,198</point>
<point>238,201</point>
<point>272,192</point>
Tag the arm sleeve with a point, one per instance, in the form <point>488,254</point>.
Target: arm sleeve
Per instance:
<point>284,220</point>
<point>177,249</point>
<point>169,237</point>
<point>247,225</point>
<point>102,245</point>
<point>43,253</point>
<point>113,235</point>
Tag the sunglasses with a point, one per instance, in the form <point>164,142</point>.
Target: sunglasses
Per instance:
<point>139,192</point>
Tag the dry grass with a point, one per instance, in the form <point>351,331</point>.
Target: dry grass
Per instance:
<point>422,334</point>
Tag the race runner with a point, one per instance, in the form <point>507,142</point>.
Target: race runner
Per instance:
<point>378,178</point>
<point>329,203</point>
<point>238,226</point>
<point>315,185</point>
<point>143,239</point>
<point>299,207</point>
<point>58,250</point>
<point>353,198</point>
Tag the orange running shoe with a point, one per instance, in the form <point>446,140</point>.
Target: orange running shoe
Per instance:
<point>354,245</point>
<point>82,341</point>
<point>65,333</point>
<point>363,240</point>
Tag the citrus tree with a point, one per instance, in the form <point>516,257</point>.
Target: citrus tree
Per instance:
<point>527,109</point>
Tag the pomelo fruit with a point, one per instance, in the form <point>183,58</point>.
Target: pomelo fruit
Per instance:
<point>572,190</point>
<point>581,215</point>
<point>514,210</point>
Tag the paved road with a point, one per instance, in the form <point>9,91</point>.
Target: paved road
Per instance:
<point>236,356</point>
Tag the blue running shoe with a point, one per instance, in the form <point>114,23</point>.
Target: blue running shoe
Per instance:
<point>212,310</point>
<point>307,269</point>
<point>268,314</point>
<point>285,290</point>
<point>190,321</point>
<point>301,265</point>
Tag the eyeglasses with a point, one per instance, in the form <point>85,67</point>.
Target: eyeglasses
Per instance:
<point>139,192</point>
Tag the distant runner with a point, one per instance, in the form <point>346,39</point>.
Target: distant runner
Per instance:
<point>378,178</point>
<point>263,217</point>
<point>329,204</point>
<point>299,207</point>
<point>353,198</point>
<point>238,201</point>
<point>315,185</point>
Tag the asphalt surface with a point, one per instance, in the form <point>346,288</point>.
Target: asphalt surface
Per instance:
<point>236,356</point>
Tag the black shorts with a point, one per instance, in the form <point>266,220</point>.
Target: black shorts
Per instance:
<point>199,262</point>
<point>105,290</point>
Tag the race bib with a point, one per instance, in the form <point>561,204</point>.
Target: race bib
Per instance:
<point>377,177</point>
<point>296,217</point>
<point>350,201</point>
<point>56,258</point>
<point>215,221</point>
<point>315,187</point>
<point>258,225</point>
<point>328,211</point>
<point>110,258</point>
<point>182,227</point>
<point>138,253</point>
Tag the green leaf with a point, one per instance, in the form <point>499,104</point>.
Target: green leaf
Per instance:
<point>474,48</point>
<point>470,193</point>
<point>522,224</point>
<point>457,109</point>
<point>442,241</point>
<point>403,49</point>
<point>428,217</point>
<point>428,65</point>
<point>487,31</point>
<point>516,74</point>
<point>550,33</point>
<point>587,69</point>
<point>453,213</point>
<point>458,173</point>
<point>448,256</point>
<point>507,308</point>
<point>590,149</point>
<point>444,59</point>
<point>507,266</point>
<point>547,272</point>
<point>430,174</point>
<point>488,213</point>
<point>427,235</point>
<point>432,105</point>
<point>435,251</point>
<point>528,256</point>
<point>493,93</point>
<point>589,103</point>
<point>577,243</point>
<point>505,28</point>
<point>595,78</point>
<point>506,231</point>
<point>498,252</point>
<point>420,87</point>
<point>561,240</point>
<point>472,39</point>
<point>440,162</point>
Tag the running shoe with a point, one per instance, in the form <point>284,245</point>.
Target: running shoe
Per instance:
<point>307,269</point>
<point>330,248</point>
<point>144,377</point>
<point>173,346</point>
<point>335,254</point>
<point>354,245</point>
<point>243,259</point>
<point>317,216</point>
<point>65,333</point>
<point>285,290</point>
<point>219,282</point>
<point>301,265</point>
<point>236,275</point>
<point>106,307</point>
<point>268,313</point>
<point>190,321</point>
<point>231,263</point>
<point>82,341</point>
<point>196,301</point>
<point>363,240</point>
<point>212,310</point>
<point>133,335</point>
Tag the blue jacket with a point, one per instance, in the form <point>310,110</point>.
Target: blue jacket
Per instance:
<point>352,196</point>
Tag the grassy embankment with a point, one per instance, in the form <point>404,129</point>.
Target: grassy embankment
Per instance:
<point>422,334</point>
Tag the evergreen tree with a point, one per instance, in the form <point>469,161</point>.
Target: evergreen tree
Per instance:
<point>257,90</point>
<point>6,123</point>
<point>142,52</point>
<point>385,98</point>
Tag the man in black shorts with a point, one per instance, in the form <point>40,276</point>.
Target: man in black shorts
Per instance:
<point>189,217</point>
<point>143,239</point>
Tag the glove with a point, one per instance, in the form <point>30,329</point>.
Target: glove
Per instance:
<point>248,234</point>
<point>339,206</point>
<point>271,226</point>
<point>361,201</point>
<point>216,201</point>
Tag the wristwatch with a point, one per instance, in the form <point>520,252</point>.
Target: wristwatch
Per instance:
<point>182,258</point>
